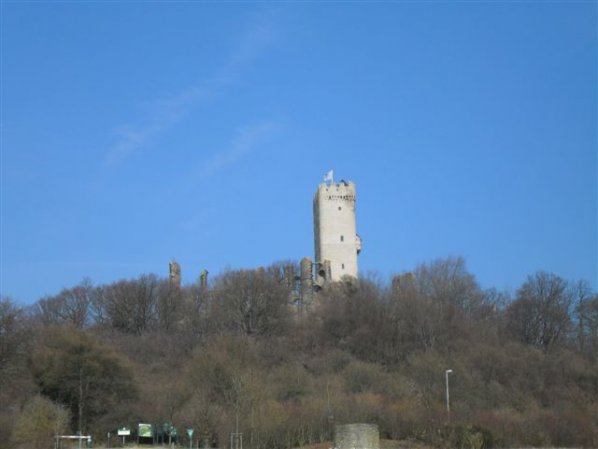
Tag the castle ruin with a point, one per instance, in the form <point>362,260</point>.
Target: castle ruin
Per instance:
<point>336,243</point>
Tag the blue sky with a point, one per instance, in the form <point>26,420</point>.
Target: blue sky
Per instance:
<point>135,132</point>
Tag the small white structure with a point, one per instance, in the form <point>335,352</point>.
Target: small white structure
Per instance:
<point>81,438</point>
<point>336,241</point>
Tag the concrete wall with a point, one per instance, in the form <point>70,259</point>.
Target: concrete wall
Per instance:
<point>356,436</point>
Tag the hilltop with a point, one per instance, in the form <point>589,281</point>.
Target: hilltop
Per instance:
<point>522,370</point>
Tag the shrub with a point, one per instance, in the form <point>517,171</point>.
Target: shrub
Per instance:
<point>38,423</point>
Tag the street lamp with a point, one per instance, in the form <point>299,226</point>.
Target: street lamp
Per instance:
<point>448,406</point>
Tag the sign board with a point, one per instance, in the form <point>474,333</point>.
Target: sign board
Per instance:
<point>145,431</point>
<point>123,432</point>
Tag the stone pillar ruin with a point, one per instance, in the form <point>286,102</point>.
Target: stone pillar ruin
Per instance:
<point>174,273</point>
<point>306,281</point>
<point>203,279</point>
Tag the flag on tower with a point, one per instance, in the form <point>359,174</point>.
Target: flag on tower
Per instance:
<point>328,177</point>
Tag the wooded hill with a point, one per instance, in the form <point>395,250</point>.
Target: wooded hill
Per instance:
<point>96,358</point>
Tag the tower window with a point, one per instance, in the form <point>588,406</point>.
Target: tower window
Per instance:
<point>339,208</point>
<point>342,238</point>
<point>343,266</point>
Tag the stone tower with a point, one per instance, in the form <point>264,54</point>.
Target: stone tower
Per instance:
<point>336,240</point>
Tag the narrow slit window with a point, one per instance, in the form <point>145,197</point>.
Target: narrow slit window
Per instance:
<point>342,238</point>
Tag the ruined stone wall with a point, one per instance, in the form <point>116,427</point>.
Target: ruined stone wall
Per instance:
<point>307,281</point>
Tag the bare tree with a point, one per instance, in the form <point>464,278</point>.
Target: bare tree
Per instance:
<point>540,314</point>
<point>128,305</point>
<point>253,302</point>
<point>169,305</point>
<point>71,306</point>
<point>447,281</point>
<point>15,383</point>
<point>586,313</point>
<point>352,318</point>
<point>415,323</point>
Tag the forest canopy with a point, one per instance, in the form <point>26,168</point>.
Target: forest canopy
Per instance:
<point>94,358</point>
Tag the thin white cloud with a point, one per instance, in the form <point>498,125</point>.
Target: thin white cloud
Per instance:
<point>165,113</point>
<point>130,139</point>
<point>245,141</point>
<point>252,43</point>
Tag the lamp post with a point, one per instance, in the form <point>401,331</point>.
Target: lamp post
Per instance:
<point>448,404</point>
